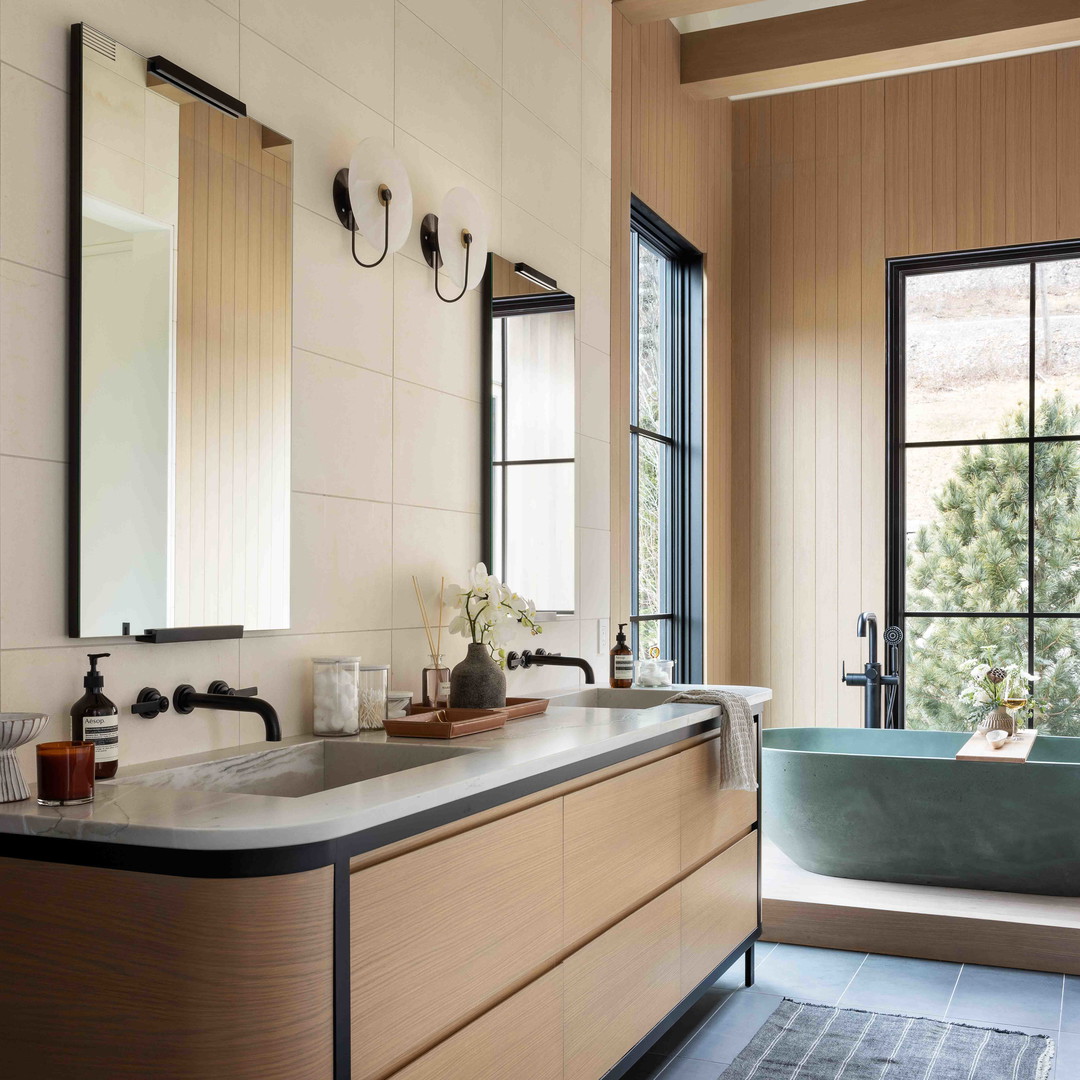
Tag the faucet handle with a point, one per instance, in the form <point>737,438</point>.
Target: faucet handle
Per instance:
<point>220,686</point>
<point>150,703</point>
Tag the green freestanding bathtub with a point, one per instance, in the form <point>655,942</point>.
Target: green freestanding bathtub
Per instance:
<point>896,806</point>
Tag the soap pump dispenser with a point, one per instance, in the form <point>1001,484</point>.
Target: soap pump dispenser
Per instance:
<point>94,718</point>
<point>622,661</point>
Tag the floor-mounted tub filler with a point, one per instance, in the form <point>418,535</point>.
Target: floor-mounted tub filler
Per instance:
<point>883,805</point>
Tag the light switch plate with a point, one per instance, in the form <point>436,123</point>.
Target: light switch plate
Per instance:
<point>603,636</point>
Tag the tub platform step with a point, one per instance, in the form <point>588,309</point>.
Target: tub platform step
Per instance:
<point>969,926</point>
<point>1015,751</point>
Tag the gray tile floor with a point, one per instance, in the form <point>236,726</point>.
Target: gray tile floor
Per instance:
<point>710,1036</point>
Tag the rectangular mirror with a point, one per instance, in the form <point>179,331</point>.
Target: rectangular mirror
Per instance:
<point>180,339</point>
<point>529,434</point>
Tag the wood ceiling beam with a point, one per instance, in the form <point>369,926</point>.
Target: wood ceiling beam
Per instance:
<point>865,39</point>
<point>640,11</point>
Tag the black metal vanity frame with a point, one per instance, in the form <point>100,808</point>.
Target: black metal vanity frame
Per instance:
<point>272,862</point>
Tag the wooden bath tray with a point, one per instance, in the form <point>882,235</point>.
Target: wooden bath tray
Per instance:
<point>978,749</point>
<point>427,723</point>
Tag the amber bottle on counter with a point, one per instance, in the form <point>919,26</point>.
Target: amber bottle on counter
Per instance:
<point>95,719</point>
<point>622,662</point>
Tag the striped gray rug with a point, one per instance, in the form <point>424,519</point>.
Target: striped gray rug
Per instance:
<point>815,1042</point>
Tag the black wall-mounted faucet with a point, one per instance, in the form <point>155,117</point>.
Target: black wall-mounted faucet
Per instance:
<point>220,695</point>
<point>542,658</point>
<point>872,679</point>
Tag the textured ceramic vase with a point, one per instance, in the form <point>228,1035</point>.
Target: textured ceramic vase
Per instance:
<point>477,682</point>
<point>16,729</point>
<point>998,719</point>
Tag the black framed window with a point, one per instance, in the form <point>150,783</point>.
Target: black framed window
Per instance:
<point>983,527</point>
<point>665,443</point>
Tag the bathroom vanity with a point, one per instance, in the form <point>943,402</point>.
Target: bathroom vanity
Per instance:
<point>540,901</point>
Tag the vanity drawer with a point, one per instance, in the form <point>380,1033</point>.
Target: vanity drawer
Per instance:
<point>522,1037</point>
<point>719,909</point>
<point>711,818</point>
<point>620,985</point>
<point>621,843</point>
<point>442,930</point>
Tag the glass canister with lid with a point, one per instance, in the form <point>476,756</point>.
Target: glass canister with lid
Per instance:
<point>336,692</point>
<point>374,684</point>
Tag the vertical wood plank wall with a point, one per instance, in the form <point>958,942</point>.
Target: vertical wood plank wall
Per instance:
<point>829,183</point>
<point>674,154</point>
<point>234,289</point>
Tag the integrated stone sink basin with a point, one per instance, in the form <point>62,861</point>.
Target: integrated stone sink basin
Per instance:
<point>603,697</point>
<point>302,769</point>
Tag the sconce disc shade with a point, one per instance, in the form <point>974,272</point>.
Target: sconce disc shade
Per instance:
<point>460,211</point>
<point>374,163</point>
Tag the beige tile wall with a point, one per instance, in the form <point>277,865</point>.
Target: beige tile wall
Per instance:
<point>510,98</point>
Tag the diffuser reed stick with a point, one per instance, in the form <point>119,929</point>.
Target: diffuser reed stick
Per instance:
<point>438,644</point>
<point>427,624</point>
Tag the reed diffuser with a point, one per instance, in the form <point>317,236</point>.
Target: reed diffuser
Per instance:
<point>435,680</point>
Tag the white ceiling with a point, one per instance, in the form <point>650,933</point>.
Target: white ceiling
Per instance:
<point>760,9</point>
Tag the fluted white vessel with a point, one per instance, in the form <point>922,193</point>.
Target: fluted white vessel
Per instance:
<point>16,729</point>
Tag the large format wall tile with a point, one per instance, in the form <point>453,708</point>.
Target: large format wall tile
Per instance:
<point>33,174</point>
<point>541,171</point>
<point>341,429</point>
<point>427,330</point>
<point>339,310</point>
<point>594,393</point>
<point>595,213</point>
<point>473,27</point>
<point>341,564</point>
<point>541,71</point>
<point>436,449</point>
<point>33,567</point>
<point>351,44</point>
<point>596,37</point>
<point>564,17</point>
<point>33,363</point>
<point>432,544</point>
<point>596,120</point>
<point>445,101</point>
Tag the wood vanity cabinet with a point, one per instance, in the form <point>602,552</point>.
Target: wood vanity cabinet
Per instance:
<point>545,939</point>
<point>118,975</point>
<point>542,939</point>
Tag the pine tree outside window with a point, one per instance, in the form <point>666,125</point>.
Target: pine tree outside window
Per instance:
<point>984,476</point>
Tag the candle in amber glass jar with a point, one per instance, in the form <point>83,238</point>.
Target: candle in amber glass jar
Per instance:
<point>65,772</point>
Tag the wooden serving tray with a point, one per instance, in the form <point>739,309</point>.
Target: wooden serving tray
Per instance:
<point>428,723</point>
<point>978,749</point>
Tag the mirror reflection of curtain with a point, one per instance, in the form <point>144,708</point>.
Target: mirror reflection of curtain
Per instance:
<point>538,500</point>
<point>233,381</point>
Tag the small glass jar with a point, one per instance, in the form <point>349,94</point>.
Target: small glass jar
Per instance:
<point>335,684</point>
<point>648,673</point>
<point>374,683</point>
<point>398,704</point>
<point>65,773</point>
<point>436,684</point>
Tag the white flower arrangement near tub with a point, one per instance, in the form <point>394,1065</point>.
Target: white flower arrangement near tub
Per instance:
<point>489,612</point>
<point>1001,690</point>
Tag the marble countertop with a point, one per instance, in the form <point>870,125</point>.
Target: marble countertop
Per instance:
<point>150,813</point>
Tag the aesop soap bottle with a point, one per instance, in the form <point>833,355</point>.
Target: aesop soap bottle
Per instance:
<point>622,662</point>
<point>94,718</point>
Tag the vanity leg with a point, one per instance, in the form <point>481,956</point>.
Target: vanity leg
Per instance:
<point>750,966</point>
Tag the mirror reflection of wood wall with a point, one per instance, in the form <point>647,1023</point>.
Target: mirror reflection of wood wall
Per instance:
<point>233,382</point>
